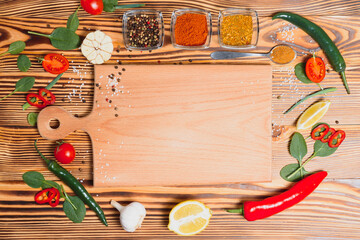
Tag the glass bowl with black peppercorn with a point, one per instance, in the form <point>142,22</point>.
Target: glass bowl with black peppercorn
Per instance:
<point>143,29</point>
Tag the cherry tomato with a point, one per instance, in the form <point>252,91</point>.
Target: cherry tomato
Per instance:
<point>94,7</point>
<point>55,63</point>
<point>315,69</point>
<point>64,153</point>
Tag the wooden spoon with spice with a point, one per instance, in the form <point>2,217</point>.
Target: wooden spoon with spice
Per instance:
<point>280,54</point>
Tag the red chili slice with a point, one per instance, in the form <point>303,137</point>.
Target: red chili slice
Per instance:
<point>48,96</point>
<point>315,69</point>
<point>55,63</point>
<point>336,139</point>
<point>328,135</point>
<point>39,102</point>
<point>49,195</point>
<point>320,131</point>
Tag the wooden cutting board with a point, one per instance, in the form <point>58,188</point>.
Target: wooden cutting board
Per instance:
<point>175,124</point>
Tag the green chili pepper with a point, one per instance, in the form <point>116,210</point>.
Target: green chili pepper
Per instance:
<point>319,35</point>
<point>74,184</point>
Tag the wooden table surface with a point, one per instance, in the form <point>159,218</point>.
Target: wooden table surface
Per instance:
<point>331,212</point>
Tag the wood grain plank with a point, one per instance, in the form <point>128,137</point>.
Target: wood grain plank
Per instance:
<point>43,8</point>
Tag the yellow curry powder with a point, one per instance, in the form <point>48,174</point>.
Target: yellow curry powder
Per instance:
<point>236,30</point>
<point>282,54</point>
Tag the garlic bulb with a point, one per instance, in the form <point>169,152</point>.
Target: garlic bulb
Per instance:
<point>131,216</point>
<point>97,47</point>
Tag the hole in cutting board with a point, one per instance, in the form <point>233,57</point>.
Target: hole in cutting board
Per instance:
<point>54,123</point>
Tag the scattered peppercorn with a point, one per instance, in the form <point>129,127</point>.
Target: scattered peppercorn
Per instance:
<point>143,31</point>
<point>116,115</point>
<point>123,69</point>
<point>116,67</point>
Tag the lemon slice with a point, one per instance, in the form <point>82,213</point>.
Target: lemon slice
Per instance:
<point>189,218</point>
<point>312,115</point>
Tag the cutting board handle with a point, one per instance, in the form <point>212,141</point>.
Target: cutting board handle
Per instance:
<point>67,123</point>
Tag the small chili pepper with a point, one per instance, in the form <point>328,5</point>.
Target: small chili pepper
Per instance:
<point>46,94</point>
<point>74,184</point>
<point>336,139</point>
<point>40,102</point>
<point>320,131</point>
<point>49,195</point>
<point>328,135</point>
<point>254,210</point>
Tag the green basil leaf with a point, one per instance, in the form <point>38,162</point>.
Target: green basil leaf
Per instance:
<point>73,21</point>
<point>33,179</point>
<point>25,84</point>
<point>298,147</point>
<point>109,5</point>
<point>62,38</point>
<point>289,169</point>
<point>32,118</point>
<point>301,74</point>
<point>322,149</point>
<point>17,47</point>
<point>23,63</point>
<point>76,215</point>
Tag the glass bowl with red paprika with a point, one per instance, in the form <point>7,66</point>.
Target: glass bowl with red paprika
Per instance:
<point>191,28</point>
<point>238,28</point>
<point>143,29</point>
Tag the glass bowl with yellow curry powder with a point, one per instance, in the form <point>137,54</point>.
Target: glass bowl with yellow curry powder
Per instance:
<point>238,28</point>
<point>191,28</point>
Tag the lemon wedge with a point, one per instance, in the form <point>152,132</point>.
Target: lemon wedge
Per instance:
<point>189,218</point>
<point>312,115</point>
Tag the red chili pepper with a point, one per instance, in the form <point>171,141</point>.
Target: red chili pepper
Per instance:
<point>46,94</point>
<point>328,135</point>
<point>320,131</point>
<point>40,102</point>
<point>49,195</point>
<point>262,209</point>
<point>336,139</point>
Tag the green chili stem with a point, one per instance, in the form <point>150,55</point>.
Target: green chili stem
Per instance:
<point>67,197</point>
<point>48,87</point>
<point>325,90</point>
<point>47,161</point>
<point>39,34</point>
<point>129,6</point>
<point>238,210</point>
<point>345,82</point>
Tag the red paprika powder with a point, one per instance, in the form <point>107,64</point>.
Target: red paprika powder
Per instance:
<point>191,29</point>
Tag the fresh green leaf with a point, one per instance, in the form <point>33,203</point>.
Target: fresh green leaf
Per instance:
<point>62,38</point>
<point>322,149</point>
<point>287,171</point>
<point>76,215</point>
<point>301,74</point>
<point>298,148</point>
<point>32,118</point>
<point>33,179</point>
<point>112,5</point>
<point>324,91</point>
<point>23,85</point>
<point>23,63</point>
<point>15,48</point>
<point>48,87</point>
<point>73,21</point>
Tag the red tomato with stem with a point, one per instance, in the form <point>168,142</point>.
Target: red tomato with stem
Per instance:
<point>94,7</point>
<point>64,153</point>
<point>55,63</point>
<point>315,69</point>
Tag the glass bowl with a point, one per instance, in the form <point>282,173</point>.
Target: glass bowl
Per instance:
<point>126,29</point>
<point>244,12</point>
<point>180,12</point>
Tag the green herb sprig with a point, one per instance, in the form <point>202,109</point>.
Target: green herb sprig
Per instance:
<point>73,206</point>
<point>15,48</point>
<point>23,85</point>
<point>112,5</point>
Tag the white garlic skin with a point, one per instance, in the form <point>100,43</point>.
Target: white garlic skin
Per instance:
<point>132,216</point>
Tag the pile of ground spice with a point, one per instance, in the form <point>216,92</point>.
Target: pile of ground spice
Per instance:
<point>191,29</point>
<point>236,30</point>
<point>143,31</point>
<point>282,54</point>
